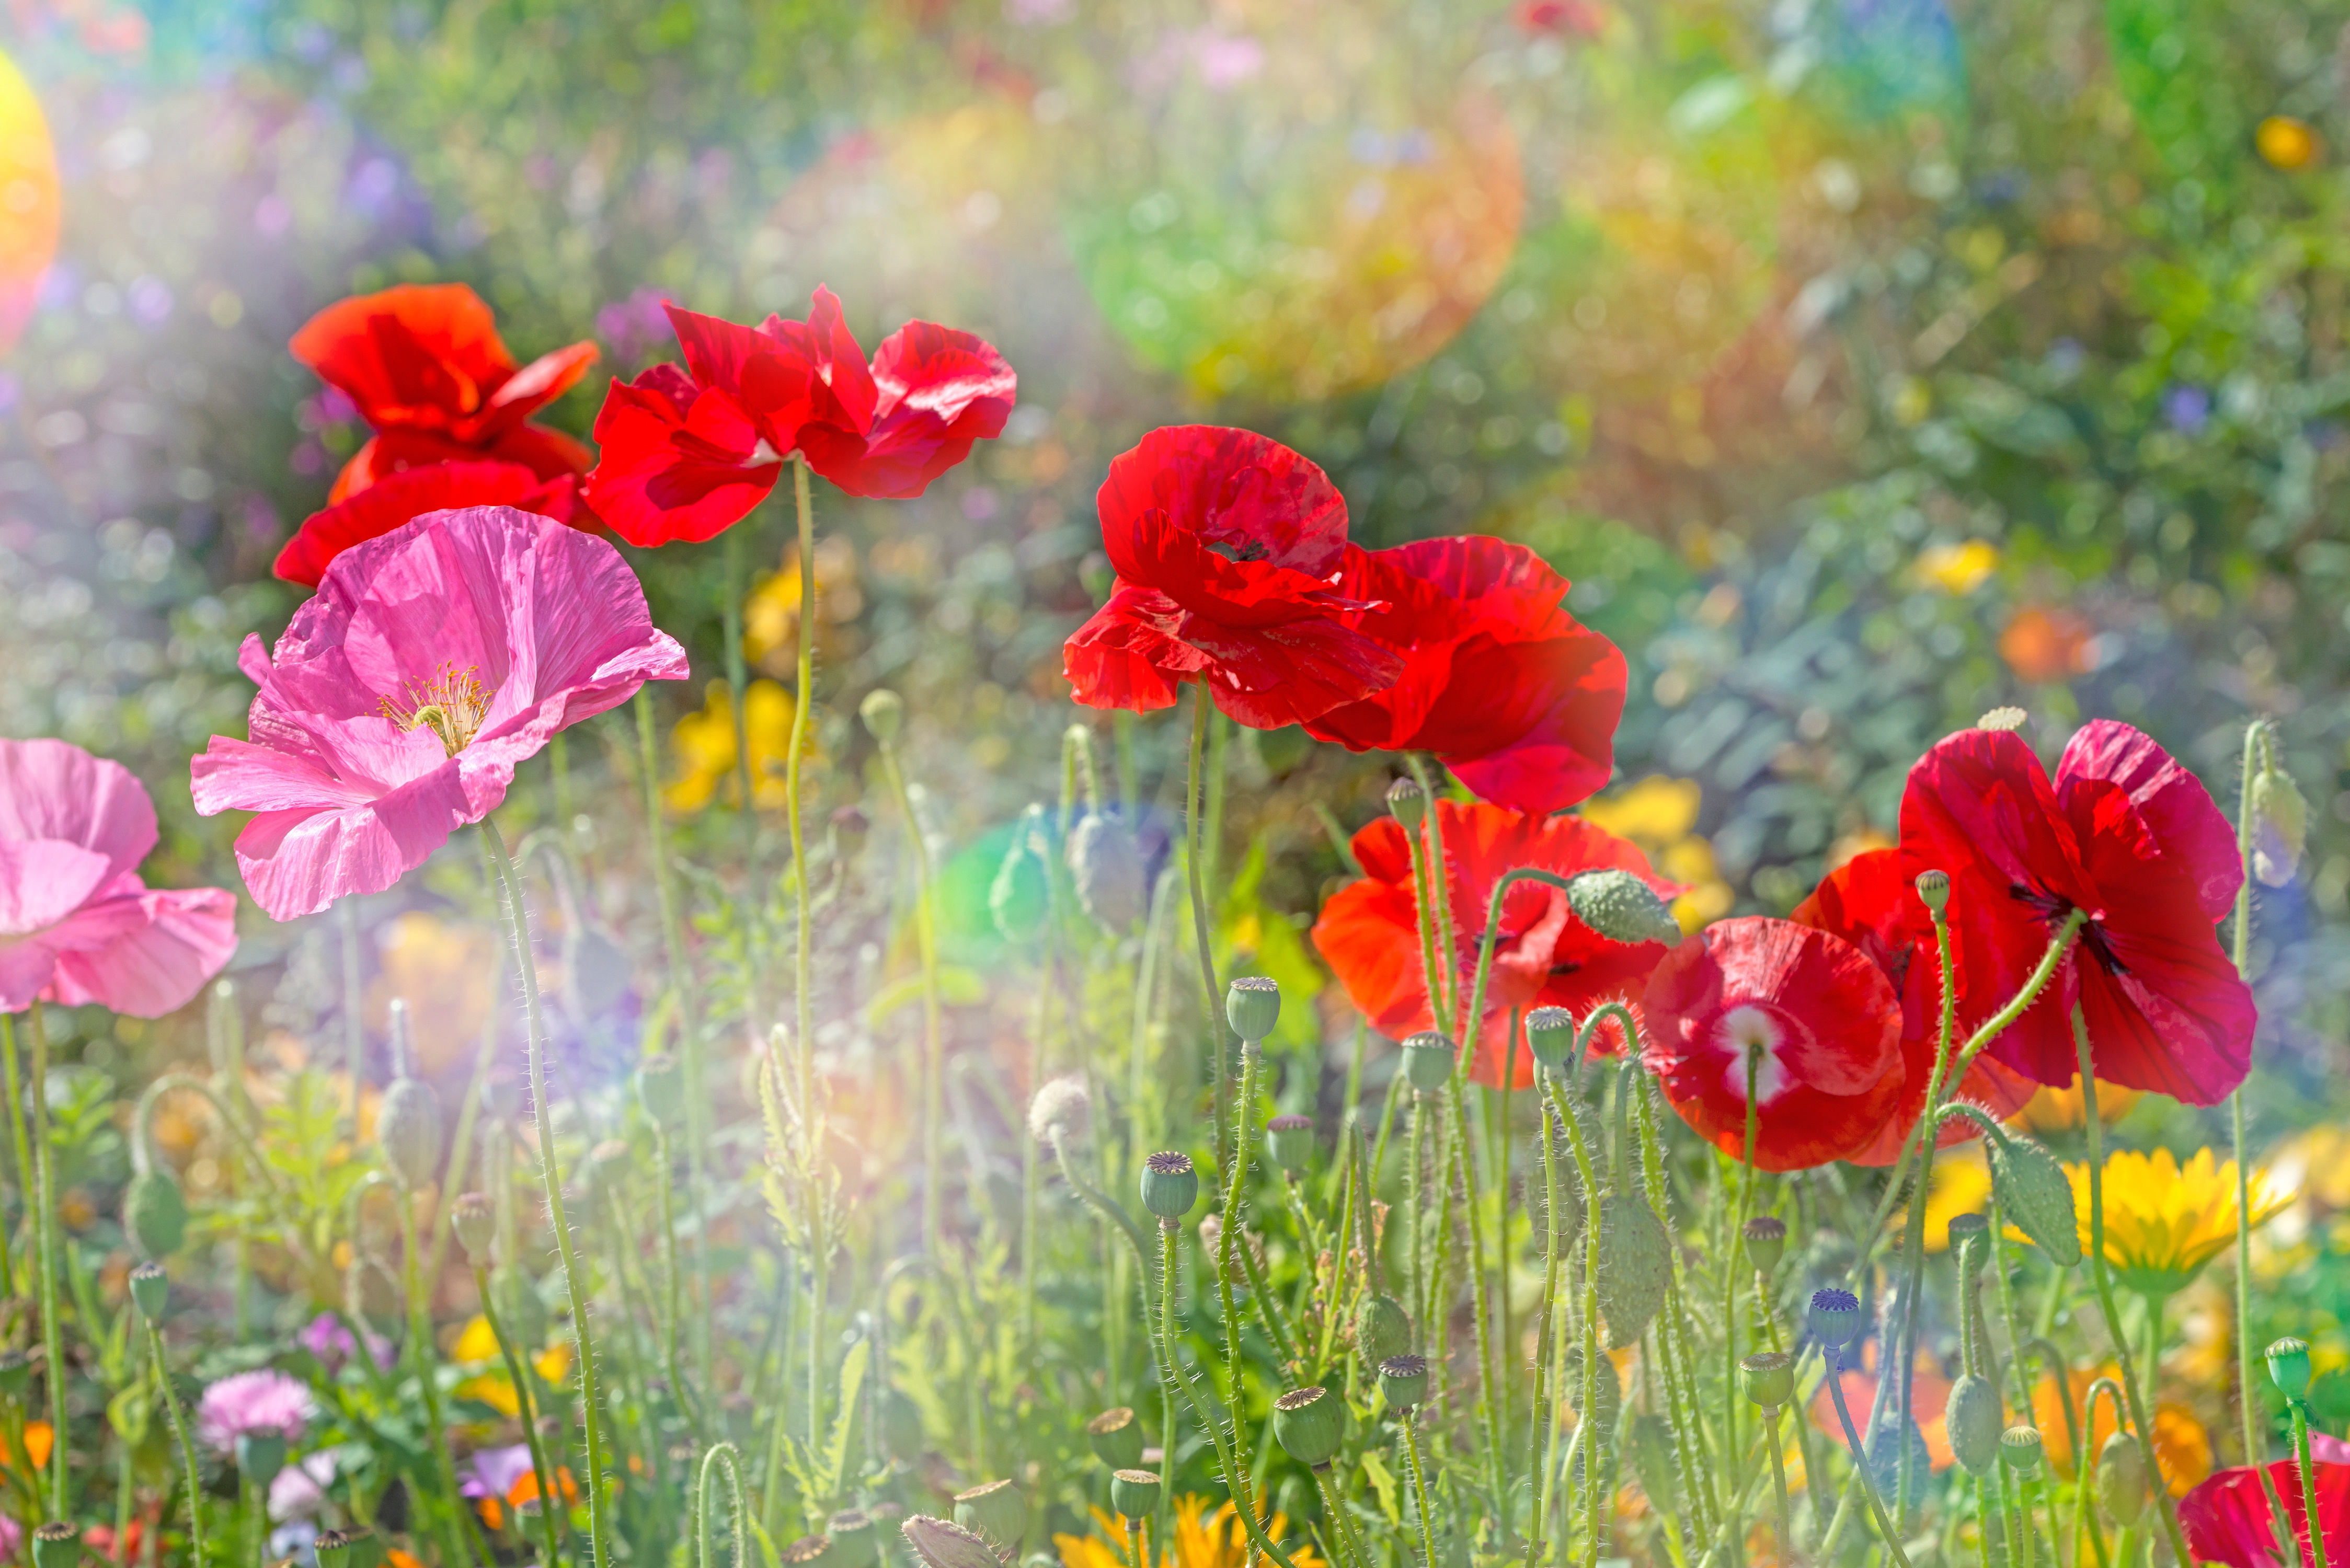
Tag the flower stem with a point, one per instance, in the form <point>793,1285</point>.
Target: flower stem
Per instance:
<point>1420,1489</point>
<point>420,1355</point>
<point>517,918</point>
<point>1586,1425</point>
<point>528,1405</point>
<point>1440,885</point>
<point>1544,1349</point>
<point>1487,1380</point>
<point>1779,1483</point>
<point>1192,850</point>
<point>347,926</point>
<point>730,613</point>
<point>803,692</point>
<point>2302,1462</point>
<point>724,1456</point>
<point>926,944</point>
<point>1228,1236</point>
<point>187,1445</point>
<point>1423,903</point>
<point>44,1236</point>
<point>1860,1462</point>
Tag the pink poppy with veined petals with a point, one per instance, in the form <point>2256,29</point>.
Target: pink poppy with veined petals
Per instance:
<point>77,922</point>
<point>432,661</point>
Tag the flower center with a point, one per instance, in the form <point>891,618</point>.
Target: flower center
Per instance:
<point>452,703</point>
<point>2052,908</point>
<point>1752,1038</point>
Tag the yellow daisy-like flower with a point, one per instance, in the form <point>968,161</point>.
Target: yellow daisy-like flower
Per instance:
<point>2164,1220</point>
<point>477,1342</point>
<point>705,748</point>
<point>1960,1185</point>
<point>1206,1536</point>
<point>2059,1110</point>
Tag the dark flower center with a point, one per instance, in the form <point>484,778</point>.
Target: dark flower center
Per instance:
<point>2053,909</point>
<point>1240,550</point>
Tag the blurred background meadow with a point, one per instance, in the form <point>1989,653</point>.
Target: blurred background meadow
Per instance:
<point>1867,364</point>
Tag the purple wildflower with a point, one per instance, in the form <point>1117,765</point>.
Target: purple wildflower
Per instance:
<point>493,1471</point>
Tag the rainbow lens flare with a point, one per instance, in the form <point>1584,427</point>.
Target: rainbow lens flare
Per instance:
<point>29,204</point>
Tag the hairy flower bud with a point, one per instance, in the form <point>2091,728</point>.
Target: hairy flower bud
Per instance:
<point>476,1224</point>
<point>1253,1006</point>
<point>1017,898</point>
<point>1135,1493</point>
<point>884,713</point>
<point>2034,1193</point>
<point>1309,1424</point>
<point>155,1212</point>
<point>1428,1059</point>
<point>1621,908</point>
<point>1107,864</point>
<point>2121,1478</point>
<point>1289,1142</point>
<point>995,1512</point>
<point>1634,1266</point>
<point>408,1125</point>
<point>1061,1111</point>
<point>1115,1437</point>
<point>1403,1381</point>
<point>1974,1421</point>
<point>1550,1035</point>
<point>1408,802</point>
<point>1170,1184</point>
<point>2279,827</point>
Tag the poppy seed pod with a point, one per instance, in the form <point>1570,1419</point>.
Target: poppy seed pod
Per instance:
<point>155,1212</point>
<point>847,831</point>
<point>1766,1242</point>
<point>1974,1421</point>
<point>660,1089</point>
<point>1767,1378</point>
<point>260,1455</point>
<point>2021,1449</point>
<point>151,1290</point>
<point>2289,1368</point>
<point>856,1538</point>
<point>995,1512</point>
<point>1289,1142</point>
<point>1061,1110</point>
<point>477,1225</point>
<point>940,1543</point>
<point>336,1548</point>
<point>15,1375</point>
<point>56,1544</point>
<point>1634,1266</point>
<point>1170,1184</point>
<point>408,1125</point>
<point>1403,1381</point>
<point>1115,1437</point>
<point>1253,1006</point>
<point>1967,1241</point>
<point>811,1552</point>
<point>2279,816</point>
<point>1621,908</point>
<point>1550,1035</point>
<point>2035,1192</point>
<point>2121,1478</point>
<point>1934,890</point>
<point>1382,1331</point>
<point>1106,865</point>
<point>1309,1424</point>
<point>884,713</point>
<point>1408,802</point>
<point>1428,1059</point>
<point>1835,1316</point>
<point>1135,1493</point>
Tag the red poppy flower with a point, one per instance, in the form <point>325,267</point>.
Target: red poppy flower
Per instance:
<point>1867,902</point>
<point>2228,1518</point>
<point>411,492</point>
<point>1227,547</point>
<point>2124,833</point>
<point>424,365</point>
<point>1544,955</point>
<point>1514,695</point>
<point>1824,1019</point>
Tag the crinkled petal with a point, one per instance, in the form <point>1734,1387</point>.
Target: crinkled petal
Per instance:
<point>2185,821</point>
<point>49,789</point>
<point>181,940</point>
<point>44,880</point>
<point>676,472</point>
<point>1126,655</point>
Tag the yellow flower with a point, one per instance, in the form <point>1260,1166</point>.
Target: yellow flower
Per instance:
<point>705,748</point>
<point>2315,1165</point>
<point>2164,1220</point>
<point>1957,568</point>
<point>1205,1537</point>
<point>1656,810</point>
<point>477,1342</point>
<point>2285,142</point>
<point>771,612</point>
<point>439,969</point>
<point>2059,1110</point>
<point>1962,1185</point>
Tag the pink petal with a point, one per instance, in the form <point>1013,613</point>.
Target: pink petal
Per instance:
<point>298,862</point>
<point>52,790</point>
<point>182,940</point>
<point>44,880</point>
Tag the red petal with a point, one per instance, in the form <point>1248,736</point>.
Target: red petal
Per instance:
<point>1230,487</point>
<point>2179,811</point>
<point>670,473</point>
<point>406,494</point>
<point>1124,656</point>
<point>425,356</point>
<point>534,385</point>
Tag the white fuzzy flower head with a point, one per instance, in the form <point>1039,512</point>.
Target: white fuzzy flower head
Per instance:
<point>1061,1110</point>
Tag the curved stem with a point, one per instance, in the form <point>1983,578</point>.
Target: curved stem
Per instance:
<point>527,1403</point>
<point>187,1445</point>
<point>1860,1462</point>
<point>721,1456</point>
<point>1193,851</point>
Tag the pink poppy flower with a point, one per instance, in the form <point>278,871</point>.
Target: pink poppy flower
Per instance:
<point>262,1401</point>
<point>76,923</point>
<point>433,661</point>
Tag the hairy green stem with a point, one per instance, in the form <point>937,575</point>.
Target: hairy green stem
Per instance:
<point>187,1445</point>
<point>419,1356</point>
<point>45,1235</point>
<point>2308,1469</point>
<point>1235,1475</point>
<point>1860,1464</point>
<point>725,1457</point>
<point>526,1403</point>
<point>1420,1489</point>
<point>1211,1007</point>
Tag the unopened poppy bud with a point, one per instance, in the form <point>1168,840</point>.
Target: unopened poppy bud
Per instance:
<point>2022,1450</point>
<point>1061,1111</point>
<point>1017,898</point>
<point>1309,1424</point>
<point>1408,802</point>
<point>1135,1493</point>
<point>810,1551</point>
<point>1428,1059</point>
<point>477,1225</point>
<point>260,1455</point>
<point>1934,890</point>
<point>1621,908</point>
<point>1106,865</point>
<point>1289,1142</point>
<point>150,1290</point>
<point>1115,1437</point>
<point>1253,1006</point>
<point>1974,1419</point>
<point>2035,1192</point>
<point>856,1538</point>
<point>1550,1035</point>
<point>884,713</point>
<point>2121,1478</point>
<point>2289,1368</point>
<point>1835,1316</point>
<point>56,1544</point>
<point>942,1543</point>
<point>2279,827</point>
<point>994,1511</point>
<point>155,1212</point>
<point>1634,1266</point>
<point>1767,1378</point>
<point>1170,1184</point>
<point>408,1125</point>
<point>1382,1331</point>
<point>660,1089</point>
<point>847,830</point>
<point>1403,1381</point>
<point>1766,1242</point>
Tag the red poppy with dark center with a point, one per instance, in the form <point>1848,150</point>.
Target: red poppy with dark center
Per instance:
<point>1227,547</point>
<point>1514,694</point>
<point>1807,1016</point>
<point>425,367</point>
<point>1869,903</point>
<point>402,498</point>
<point>2125,834</point>
<point>2228,1518</point>
<point>1543,956</point>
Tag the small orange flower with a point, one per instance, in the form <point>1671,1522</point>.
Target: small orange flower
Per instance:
<point>2182,1448</point>
<point>2043,645</point>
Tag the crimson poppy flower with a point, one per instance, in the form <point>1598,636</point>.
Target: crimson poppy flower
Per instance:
<point>1867,902</point>
<point>424,366</point>
<point>1819,1021</point>
<point>1544,955</point>
<point>411,492</point>
<point>2228,1518</point>
<point>1228,546</point>
<point>2124,833</point>
<point>1514,694</point>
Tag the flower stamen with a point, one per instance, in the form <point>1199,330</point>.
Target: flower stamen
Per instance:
<point>452,703</point>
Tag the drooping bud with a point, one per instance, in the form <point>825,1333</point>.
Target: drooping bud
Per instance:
<point>368,1293</point>
<point>2022,1450</point>
<point>260,1455</point>
<point>2289,1368</point>
<point>1105,863</point>
<point>1768,1377</point>
<point>1966,1234</point>
<point>1766,1242</point>
<point>1382,1331</point>
<point>884,713</point>
<point>995,1512</point>
<point>475,1221</point>
<point>1634,1266</point>
<point>1115,1437</point>
<point>407,1124</point>
<point>1621,908</point>
<point>1550,1035</point>
<point>2280,826</point>
<point>1309,1424</point>
<point>1061,1111</point>
<point>1428,1059</point>
<point>151,1290</point>
<point>1253,1006</point>
<point>1408,802</point>
<point>856,1538</point>
<point>1835,1316</point>
<point>2034,1193</point>
<point>56,1544</point>
<point>1403,1381</point>
<point>155,1212</point>
<point>2121,1478</point>
<point>940,1543</point>
<point>1974,1421</point>
<point>1289,1142</point>
<point>1170,1184</point>
<point>1135,1492</point>
<point>1934,890</point>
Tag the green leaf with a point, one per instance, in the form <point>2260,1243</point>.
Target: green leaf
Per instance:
<point>835,1450</point>
<point>768,1556</point>
<point>957,988</point>
<point>1383,1482</point>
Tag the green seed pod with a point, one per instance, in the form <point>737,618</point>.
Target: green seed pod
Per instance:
<point>2279,827</point>
<point>1170,1185</point>
<point>15,1375</point>
<point>844,832</point>
<point>367,1547</point>
<point>1112,879</point>
<point>155,1212</point>
<point>1428,1059</point>
<point>940,1543</point>
<point>1974,1419</point>
<point>56,1544</point>
<point>1835,1317</point>
<point>856,1538</point>
<point>2034,1193</point>
<point>475,1221</point>
<point>1766,1242</point>
<point>1309,1424</point>
<point>2021,1449</point>
<point>1289,1142</point>
<point>811,1552</point>
<point>151,1289</point>
<point>1550,1035</point>
<point>336,1548</point>
<point>660,1089</point>
<point>2121,1479</point>
<point>1634,1266</point>
<point>1403,1381</point>
<point>1115,1437</point>
<point>1253,1006</point>
<point>995,1512</point>
<point>1621,908</point>
<point>2289,1368</point>
<point>884,713</point>
<point>1967,1231</point>
<point>1934,890</point>
<point>1767,1378</point>
<point>408,1125</point>
<point>1382,1331</point>
<point>1135,1493</point>
<point>1407,804</point>
<point>260,1455</point>
<point>368,1293</point>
